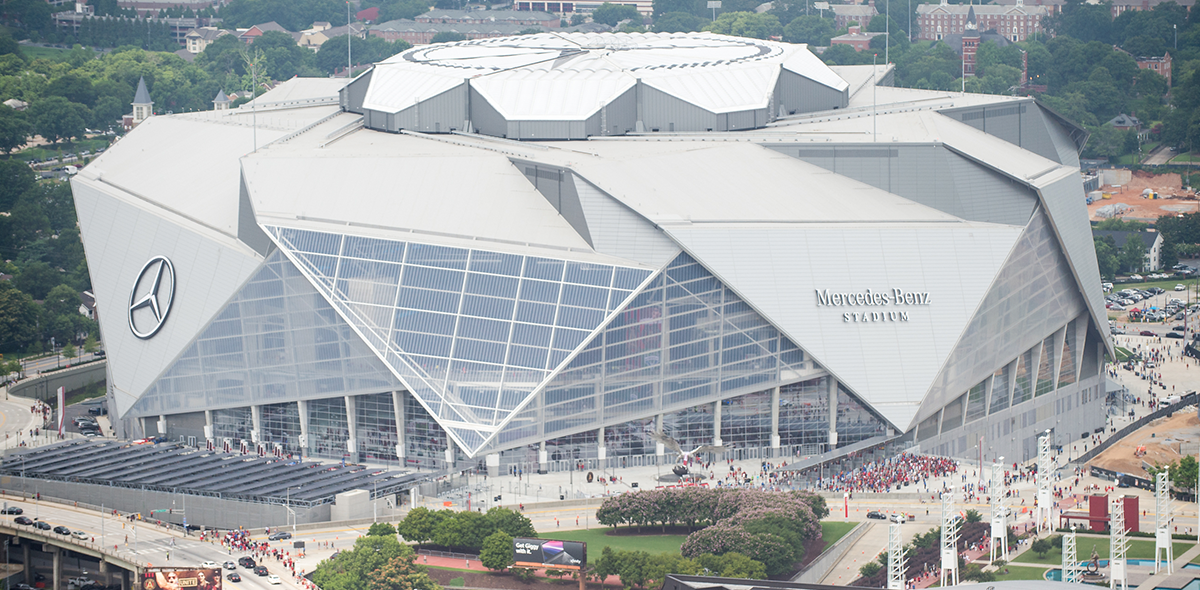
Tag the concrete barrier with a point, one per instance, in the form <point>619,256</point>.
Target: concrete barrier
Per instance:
<point>43,385</point>
<point>819,568</point>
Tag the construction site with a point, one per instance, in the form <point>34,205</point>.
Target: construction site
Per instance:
<point>1140,196</point>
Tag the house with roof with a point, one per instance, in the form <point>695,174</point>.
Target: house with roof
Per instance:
<point>248,36</point>
<point>198,39</point>
<point>315,37</point>
<point>1125,122</point>
<point>1015,23</point>
<point>855,38</point>
<point>423,33</point>
<point>844,14</point>
<point>1152,240</point>
<point>143,107</point>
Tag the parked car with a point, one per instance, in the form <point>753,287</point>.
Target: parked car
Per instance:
<point>1146,333</point>
<point>62,530</point>
<point>12,510</point>
<point>273,579</point>
<point>282,535</point>
<point>1180,287</point>
<point>1174,335</point>
<point>211,565</point>
<point>229,565</point>
<point>897,518</point>
<point>246,562</point>
<point>82,536</point>
<point>42,525</point>
<point>25,520</point>
<point>876,515</point>
<point>234,577</point>
<point>260,570</point>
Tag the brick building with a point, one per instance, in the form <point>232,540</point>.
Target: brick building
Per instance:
<point>1015,23</point>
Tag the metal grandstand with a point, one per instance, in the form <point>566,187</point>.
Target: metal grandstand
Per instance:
<point>177,468</point>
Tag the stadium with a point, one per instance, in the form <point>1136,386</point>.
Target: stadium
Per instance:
<point>534,252</point>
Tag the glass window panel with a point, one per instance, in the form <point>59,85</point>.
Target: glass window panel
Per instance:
<point>975,402</point>
<point>313,241</point>
<point>1023,390</point>
<point>496,263</point>
<point>568,339</point>
<point>428,300</point>
<point>1045,377</point>
<point>629,278</point>
<point>599,275</point>
<point>423,344</point>
<point>424,322</point>
<point>543,268</point>
<point>433,278</point>
<point>1000,392</point>
<point>581,296</point>
<point>527,356</point>
<point>477,350</point>
<point>1066,371</point>
<point>488,307</point>
<point>439,256</point>
<point>575,317</point>
<point>532,335</point>
<point>537,313</point>
<point>491,285</point>
<point>482,329</point>
<point>539,291</point>
<point>374,249</point>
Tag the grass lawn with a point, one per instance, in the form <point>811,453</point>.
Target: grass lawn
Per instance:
<point>597,540</point>
<point>1138,549</point>
<point>50,53</point>
<point>832,531</point>
<point>1196,559</point>
<point>1016,572</point>
<point>457,581</point>
<point>73,147</point>
<point>1123,354</point>
<point>1191,157</point>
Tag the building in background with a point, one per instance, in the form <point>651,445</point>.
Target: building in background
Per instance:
<point>1152,241</point>
<point>1015,22</point>
<point>844,14</point>
<point>198,39</point>
<point>537,262</point>
<point>855,38</point>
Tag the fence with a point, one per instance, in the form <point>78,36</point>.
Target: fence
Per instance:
<point>1189,399</point>
<point>819,568</point>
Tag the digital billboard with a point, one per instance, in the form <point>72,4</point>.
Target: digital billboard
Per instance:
<point>181,579</point>
<point>569,555</point>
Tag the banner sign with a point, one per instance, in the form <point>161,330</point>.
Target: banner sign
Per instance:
<point>567,555</point>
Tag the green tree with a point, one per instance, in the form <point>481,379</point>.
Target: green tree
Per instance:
<point>497,551</point>
<point>611,14</point>
<point>14,129</point>
<point>1133,254</point>
<point>812,29</point>
<point>678,22</point>
<point>73,87</point>
<point>869,569</point>
<point>355,569</point>
<point>448,37</point>
<point>61,300</point>
<point>746,24</point>
<point>293,15</point>
<point>89,344</point>
<point>420,523</point>
<point>381,529</point>
<point>37,279</point>
<point>402,573</point>
<point>511,522</point>
<point>974,516</point>
<point>693,7</point>
<point>1041,547</point>
<point>283,59</point>
<point>1106,257</point>
<point>69,352</point>
<point>463,529</point>
<point>732,565</point>
<point>57,118</point>
<point>15,179</point>
<point>18,319</point>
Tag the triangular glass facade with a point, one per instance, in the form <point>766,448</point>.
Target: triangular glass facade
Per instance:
<point>472,332</point>
<point>684,340</point>
<point>276,340</point>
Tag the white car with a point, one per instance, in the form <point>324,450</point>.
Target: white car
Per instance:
<point>1136,277</point>
<point>1180,287</point>
<point>273,579</point>
<point>210,565</point>
<point>900,518</point>
<point>82,536</point>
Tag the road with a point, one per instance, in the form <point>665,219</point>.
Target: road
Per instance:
<point>142,542</point>
<point>40,365</point>
<point>1159,156</point>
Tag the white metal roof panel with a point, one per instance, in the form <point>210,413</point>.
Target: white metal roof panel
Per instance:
<point>394,89</point>
<point>720,91</point>
<point>810,66</point>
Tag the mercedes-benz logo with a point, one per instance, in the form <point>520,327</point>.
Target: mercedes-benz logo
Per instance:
<point>153,296</point>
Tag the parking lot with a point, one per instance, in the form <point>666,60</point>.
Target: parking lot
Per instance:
<point>1153,312</point>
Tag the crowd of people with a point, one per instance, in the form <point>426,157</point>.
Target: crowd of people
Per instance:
<point>889,474</point>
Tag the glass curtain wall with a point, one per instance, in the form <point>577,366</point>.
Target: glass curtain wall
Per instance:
<point>234,423</point>
<point>327,428</point>
<point>804,413</point>
<point>376,427</point>
<point>281,425</point>
<point>746,420</point>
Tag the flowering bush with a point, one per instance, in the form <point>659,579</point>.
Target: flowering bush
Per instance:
<point>770,527</point>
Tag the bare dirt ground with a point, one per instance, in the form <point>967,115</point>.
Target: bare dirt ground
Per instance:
<point>1162,439</point>
<point>1173,200</point>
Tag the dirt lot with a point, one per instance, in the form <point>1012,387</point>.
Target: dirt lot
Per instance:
<point>1172,199</point>
<point>1162,439</point>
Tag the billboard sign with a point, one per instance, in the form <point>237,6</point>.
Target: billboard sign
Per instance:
<point>181,579</point>
<point>567,555</point>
